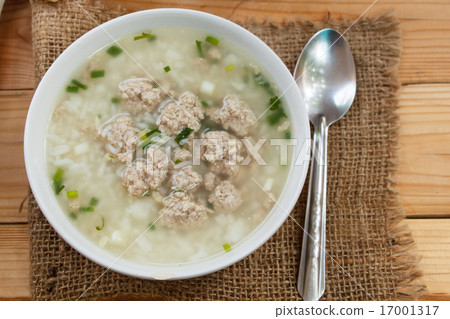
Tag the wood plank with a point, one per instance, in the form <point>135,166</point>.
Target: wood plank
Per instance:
<point>14,183</point>
<point>17,71</point>
<point>425,30</point>
<point>435,252</point>
<point>425,25</point>
<point>14,262</point>
<point>423,176</point>
<point>424,171</point>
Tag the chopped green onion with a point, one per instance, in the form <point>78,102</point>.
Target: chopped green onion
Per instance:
<point>227,247</point>
<point>177,161</point>
<point>246,78</point>
<point>94,201</point>
<point>57,181</point>
<point>149,133</point>
<point>212,40</point>
<point>72,88</point>
<point>199,48</point>
<point>205,104</point>
<point>183,134</point>
<point>72,194</point>
<point>287,135</point>
<point>73,215</point>
<point>145,134</point>
<point>209,205</point>
<point>229,68</point>
<point>97,74</point>
<point>86,209</point>
<point>114,51</point>
<point>262,82</point>
<point>151,226</point>
<point>79,84</point>
<point>143,36</point>
<point>99,116</point>
<point>151,39</point>
<point>275,117</point>
<point>115,100</point>
<point>167,68</point>
<point>146,145</point>
<point>103,225</point>
<point>179,191</point>
<point>274,103</point>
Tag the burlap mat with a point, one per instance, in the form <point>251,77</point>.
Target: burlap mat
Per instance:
<point>363,235</point>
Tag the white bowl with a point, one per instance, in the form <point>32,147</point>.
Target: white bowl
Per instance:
<point>53,82</point>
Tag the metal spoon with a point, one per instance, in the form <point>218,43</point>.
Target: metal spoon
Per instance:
<point>326,76</point>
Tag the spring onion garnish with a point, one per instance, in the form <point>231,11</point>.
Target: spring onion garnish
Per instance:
<point>72,88</point>
<point>212,40</point>
<point>151,39</point>
<point>57,181</point>
<point>73,215</point>
<point>209,205</point>
<point>178,161</point>
<point>79,84</point>
<point>199,48</point>
<point>143,36</point>
<point>86,209</point>
<point>227,247</point>
<point>97,74</point>
<point>179,191</point>
<point>143,135</point>
<point>287,135</point>
<point>72,194</point>
<point>151,226</point>
<point>94,201</point>
<point>167,68</point>
<point>115,100</point>
<point>262,82</point>
<point>183,134</point>
<point>99,116</point>
<point>274,103</point>
<point>229,68</point>
<point>205,104</point>
<point>103,225</point>
<point>114,51</point>
<point>275,117</point>
<point>246,78</point>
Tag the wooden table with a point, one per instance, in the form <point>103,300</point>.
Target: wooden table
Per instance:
<point>423,178</point>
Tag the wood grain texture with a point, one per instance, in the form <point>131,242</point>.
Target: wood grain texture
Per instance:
<point>435,252</point>
<point>425,26</point>
<point>13,182</point>
<point>14,262</point>
<point>17,65</point>
<point>432,239</point>
<point>423,176</point>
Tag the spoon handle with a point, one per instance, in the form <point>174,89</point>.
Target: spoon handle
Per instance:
<point>311,281</point>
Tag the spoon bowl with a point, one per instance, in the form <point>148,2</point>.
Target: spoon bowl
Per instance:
<point>325,73</point>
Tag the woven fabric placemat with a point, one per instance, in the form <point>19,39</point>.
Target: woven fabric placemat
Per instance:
<point>369,248</point>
